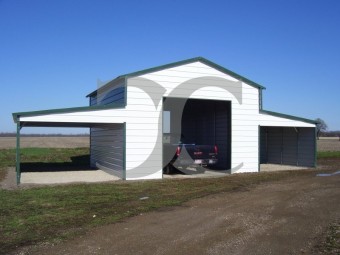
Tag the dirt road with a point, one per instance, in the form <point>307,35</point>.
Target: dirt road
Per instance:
<point>285,217</point>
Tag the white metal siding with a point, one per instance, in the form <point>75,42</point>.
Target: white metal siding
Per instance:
<point>244,130</point>
<point>143,142</point>
<point>273,121</point>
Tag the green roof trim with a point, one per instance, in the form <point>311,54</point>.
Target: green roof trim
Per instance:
<point>17,115</point>
<point>184,62</point>
<point>277,114</point>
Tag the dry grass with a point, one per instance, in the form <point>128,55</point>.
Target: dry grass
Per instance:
<point>328,144</point>
<point>45,142</point>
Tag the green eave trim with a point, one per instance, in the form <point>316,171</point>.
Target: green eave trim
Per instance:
<point>277,114</point>
<point>184,62</point>
<point>17,115</point>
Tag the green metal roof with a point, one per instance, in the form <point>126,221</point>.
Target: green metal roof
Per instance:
<point>184,62</point>
<point>291,117</point>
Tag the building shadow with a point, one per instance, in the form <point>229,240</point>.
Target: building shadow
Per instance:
<point>78,163</point>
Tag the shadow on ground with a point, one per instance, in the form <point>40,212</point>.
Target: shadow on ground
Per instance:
<point>78,163</point>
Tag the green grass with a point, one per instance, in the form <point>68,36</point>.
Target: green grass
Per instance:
<point>36,157</point>
<point>328,154</point>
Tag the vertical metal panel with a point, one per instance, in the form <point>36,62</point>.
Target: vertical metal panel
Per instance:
<point>223,133</point>
<point>289,146</point>
<point>274,145</point>
<point>115,95</point>
<point>307,147</point>
<point>108,148</point>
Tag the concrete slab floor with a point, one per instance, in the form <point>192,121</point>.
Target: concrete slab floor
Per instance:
<point>207,174</point>
<point>66,177</point>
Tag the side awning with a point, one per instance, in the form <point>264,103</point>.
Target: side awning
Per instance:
<point>81,117</point>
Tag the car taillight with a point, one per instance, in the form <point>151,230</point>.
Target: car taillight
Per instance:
<point>178,151</point>
<point>215,149</point>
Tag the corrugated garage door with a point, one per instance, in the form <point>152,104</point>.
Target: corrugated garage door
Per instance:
<point>287,146</point>
<point>107,148</point>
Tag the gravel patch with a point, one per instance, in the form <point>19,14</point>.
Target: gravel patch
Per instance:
<point>275,167</point>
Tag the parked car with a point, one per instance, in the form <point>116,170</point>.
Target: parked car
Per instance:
<point>183,155</point>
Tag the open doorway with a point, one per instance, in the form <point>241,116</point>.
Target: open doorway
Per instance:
<point>198,125</point>
<point>294,146</point>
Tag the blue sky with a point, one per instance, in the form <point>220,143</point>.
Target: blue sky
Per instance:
<point>53,52</point>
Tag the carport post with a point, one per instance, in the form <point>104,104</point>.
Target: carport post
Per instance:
<point>17,156</point>
<point>315,148</point>
<point>124,151</point>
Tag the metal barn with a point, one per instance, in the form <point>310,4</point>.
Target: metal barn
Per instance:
<point>134,115</point>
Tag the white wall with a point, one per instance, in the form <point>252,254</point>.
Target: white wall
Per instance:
<point>244,131</point>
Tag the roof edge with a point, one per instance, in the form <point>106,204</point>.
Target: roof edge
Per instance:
<point>17,115</point>
<point>282,115</point>
<point>192,60</point>
<point>183,62</point>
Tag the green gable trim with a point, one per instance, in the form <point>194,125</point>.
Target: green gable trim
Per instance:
<point>291,117</point>
<point>17,115</point>
<point>184,62</point>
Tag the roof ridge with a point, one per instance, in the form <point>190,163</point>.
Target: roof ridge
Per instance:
<point>183,62</point>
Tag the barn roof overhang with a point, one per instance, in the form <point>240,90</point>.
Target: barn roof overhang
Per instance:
<point>18,115</point>
<point>290,117</point>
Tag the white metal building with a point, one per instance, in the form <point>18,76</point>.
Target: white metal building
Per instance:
<point>132,116</point>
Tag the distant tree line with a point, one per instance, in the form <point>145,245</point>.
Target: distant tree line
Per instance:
<point>330,134</point>
<point>9,134</point>
<point>322,129</point>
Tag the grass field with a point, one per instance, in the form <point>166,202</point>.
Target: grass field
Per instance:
<point>76,157</point>
<point>28,216</point>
